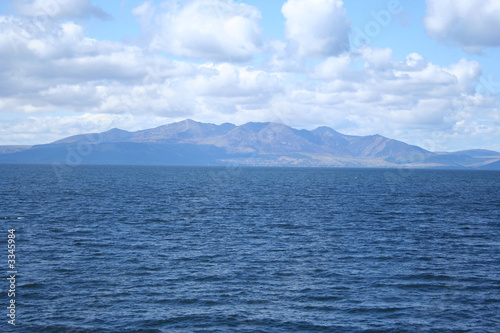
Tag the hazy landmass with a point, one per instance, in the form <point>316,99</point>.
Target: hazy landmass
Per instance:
<point>255,144</point>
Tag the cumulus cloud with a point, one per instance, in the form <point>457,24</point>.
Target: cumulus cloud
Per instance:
<point>60,56</point>
<point>317,27</point>
<point>471,24</point>
<point>467,74</point>
<point>377,58</point>
<point>415,60</point>
<point>229,80</point>
<point>333,68</point>
<point>221,30</point>
<point>61,9</point>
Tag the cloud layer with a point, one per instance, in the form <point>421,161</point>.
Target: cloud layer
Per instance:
<point>317,28</point>
<point>209,29</point>
<point>61,9</point>
<point>471,24</point>
<point>55,81</point>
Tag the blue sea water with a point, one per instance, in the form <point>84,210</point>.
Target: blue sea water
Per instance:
<point>201,249</point>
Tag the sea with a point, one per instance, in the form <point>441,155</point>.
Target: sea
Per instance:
<point>248,249</point>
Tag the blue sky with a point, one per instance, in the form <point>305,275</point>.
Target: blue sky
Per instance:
<point>425,72</point>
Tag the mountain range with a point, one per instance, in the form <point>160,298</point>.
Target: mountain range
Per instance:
<point>256,144</point>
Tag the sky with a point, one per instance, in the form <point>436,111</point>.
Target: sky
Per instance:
<point>422,71</point>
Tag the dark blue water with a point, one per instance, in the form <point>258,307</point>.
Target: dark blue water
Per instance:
<point>171,249</point>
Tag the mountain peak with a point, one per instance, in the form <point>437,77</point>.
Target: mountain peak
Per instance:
<point>190,122</point>
<point>115,131</point>
<point>186,130</point>
<point>322,130</point>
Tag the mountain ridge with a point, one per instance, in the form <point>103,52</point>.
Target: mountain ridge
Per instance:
<point>255,143</point>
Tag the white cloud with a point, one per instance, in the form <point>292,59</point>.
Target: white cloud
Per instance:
<point>221,30</point>
<point>467,74</point>
<point>61,9</point>
<point>317,28</point>
<point>377,58</point>
<point>415,60</point>
<point>333,68</point>
<point>226,80</point>
<point>472,24</point>
<point>280,59</point>
<point>46,129</point>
